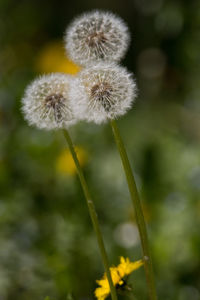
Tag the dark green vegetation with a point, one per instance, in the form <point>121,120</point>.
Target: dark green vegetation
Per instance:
<point>47,244</point>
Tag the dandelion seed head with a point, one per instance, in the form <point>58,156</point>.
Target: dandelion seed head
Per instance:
<point>102,92</point>
<point>46,102</point>
<point>97,36</point>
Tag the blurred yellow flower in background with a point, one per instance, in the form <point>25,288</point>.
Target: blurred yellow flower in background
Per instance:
<point>52,58</point>
<point>65,163</point>
<point>118,273</point>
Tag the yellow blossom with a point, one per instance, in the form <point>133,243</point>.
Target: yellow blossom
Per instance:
<point>118,273</point>
<point>53,59</point>
<point>65,163</point>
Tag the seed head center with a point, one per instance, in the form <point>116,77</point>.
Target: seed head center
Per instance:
<point>96,38</point>
<point>101,91</point>
<point>54,100</point>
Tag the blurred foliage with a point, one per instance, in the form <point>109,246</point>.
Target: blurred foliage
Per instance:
<point>47,242</point>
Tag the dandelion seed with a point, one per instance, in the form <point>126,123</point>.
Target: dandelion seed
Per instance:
<point>118,274</point>
<point>46,102</point>
<point>102,92</point>
<point>97,36</point>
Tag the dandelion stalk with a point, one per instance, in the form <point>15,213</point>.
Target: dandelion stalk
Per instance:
<point>92,213</point>
<point>138,211</point>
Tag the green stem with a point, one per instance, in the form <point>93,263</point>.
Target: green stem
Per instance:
<point>92,213</point>
<point>138,212</point>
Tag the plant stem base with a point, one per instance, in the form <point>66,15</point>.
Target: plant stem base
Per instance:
<point>92,213</point>
<point>138,211</point>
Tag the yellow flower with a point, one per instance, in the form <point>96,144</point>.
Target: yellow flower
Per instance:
<point>118,273</point>
<point>53,59</point>
<point>65,163</point>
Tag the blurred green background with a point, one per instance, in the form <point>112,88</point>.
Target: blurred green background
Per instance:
<point>47,244</point>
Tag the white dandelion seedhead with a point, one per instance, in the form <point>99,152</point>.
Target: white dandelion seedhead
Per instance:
<point>46,102</point>
<point>97,36</point>
<point>102,92</point>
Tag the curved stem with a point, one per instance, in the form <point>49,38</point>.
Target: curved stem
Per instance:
<point>138,212</point>
<point>92,213</point>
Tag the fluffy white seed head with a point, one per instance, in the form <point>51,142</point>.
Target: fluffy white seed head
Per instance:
<point>96,36</point>
<point>46,102</point>
<point>102,92</point>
